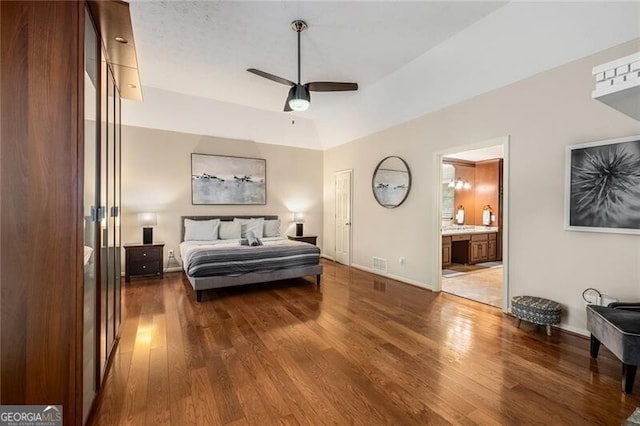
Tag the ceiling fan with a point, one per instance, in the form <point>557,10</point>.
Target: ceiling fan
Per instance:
<point>299,98</point>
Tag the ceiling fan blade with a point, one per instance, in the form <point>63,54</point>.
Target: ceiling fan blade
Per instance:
<point>272,77</point>
<point>287,108</point>
<point>331,86</point>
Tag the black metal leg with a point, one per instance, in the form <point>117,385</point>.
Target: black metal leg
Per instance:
<point>199,295</point>
<point>318,280</point>
<point>595,347</point>
<point>628,377</point>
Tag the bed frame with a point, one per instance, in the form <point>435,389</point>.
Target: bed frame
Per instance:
<point>200,284</point>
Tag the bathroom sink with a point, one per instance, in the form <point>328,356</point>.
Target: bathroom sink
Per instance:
<point>468,229</point>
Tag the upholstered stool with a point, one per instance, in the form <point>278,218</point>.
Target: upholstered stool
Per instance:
<point>536,310</point>
<point>617,326</point>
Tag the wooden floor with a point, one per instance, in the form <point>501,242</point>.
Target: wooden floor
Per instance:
<point>362,350</point>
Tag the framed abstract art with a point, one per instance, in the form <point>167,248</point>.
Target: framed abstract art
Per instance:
<point>218,179</point>
<point>603,186</point>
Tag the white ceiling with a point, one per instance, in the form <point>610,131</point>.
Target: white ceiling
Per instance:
<point>409,58</point>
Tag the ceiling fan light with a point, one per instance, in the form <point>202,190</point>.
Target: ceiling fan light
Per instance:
<point>299,104</point>
<point>299,98</point>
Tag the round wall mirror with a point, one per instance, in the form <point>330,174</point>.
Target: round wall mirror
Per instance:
<point>391,182</point>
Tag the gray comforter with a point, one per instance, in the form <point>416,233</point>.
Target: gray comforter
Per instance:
<point>240,260</point>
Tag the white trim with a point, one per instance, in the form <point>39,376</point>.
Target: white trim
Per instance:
<point>580,331</point>
<point>327,257</point>
<point>173,269</point>
<point>393,277</point>
<point>506,183</point>
<point>437,222</point>
<point>335,175</point>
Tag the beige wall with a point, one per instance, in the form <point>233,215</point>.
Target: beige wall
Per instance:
<point>541,115</point>
<point>156,177</point>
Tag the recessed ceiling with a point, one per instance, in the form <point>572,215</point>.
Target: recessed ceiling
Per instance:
<point>409,58</point>
<point>203,48</point>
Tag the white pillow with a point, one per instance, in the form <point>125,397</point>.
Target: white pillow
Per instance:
<point>201,230</point>
<point>255,225</point>
<point>272,228</point>
<point>230,230</point>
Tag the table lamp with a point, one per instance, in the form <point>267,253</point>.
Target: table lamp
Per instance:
<point>298,218</point>
<point>147,220</point>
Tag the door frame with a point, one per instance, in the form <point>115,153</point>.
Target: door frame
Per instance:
<point>436,227</point>
<point>335,226</point>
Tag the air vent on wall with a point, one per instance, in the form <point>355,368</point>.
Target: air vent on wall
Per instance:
<point>380,264</point>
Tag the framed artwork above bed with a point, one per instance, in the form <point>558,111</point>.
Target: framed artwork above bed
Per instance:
<point>218,179</point>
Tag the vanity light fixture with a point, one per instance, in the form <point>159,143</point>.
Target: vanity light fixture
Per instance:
<point>459,184</point>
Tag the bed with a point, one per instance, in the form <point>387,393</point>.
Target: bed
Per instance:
<point>217,256</point>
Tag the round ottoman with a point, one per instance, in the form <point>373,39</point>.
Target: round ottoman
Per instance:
<point>536,310</point>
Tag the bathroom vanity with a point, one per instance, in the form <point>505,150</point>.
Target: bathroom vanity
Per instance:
<point>469,245</point>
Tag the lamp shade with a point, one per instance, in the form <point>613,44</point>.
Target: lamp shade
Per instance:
<point>147,219</point>
<point>298,217</point>
<point>299,98</point>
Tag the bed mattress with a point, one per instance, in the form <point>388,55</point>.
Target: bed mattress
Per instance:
<point>230,258</point>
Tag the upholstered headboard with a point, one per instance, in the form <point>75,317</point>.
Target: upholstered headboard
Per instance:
<point>222,218</point>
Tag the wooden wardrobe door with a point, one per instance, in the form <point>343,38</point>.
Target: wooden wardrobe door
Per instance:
<point>41,270</point>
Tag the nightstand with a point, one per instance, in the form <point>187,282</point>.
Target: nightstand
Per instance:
<point>311,239</point>
<point>143,260</point>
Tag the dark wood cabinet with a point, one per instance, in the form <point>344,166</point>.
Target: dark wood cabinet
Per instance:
<point>310,239</point>
<point>60,184</point>
<point>143,260</point>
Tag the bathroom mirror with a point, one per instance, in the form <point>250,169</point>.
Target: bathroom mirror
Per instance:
<point>448,194</point>
<point>391,182</point>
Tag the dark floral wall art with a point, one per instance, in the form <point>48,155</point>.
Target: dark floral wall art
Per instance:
<point>603,186</point>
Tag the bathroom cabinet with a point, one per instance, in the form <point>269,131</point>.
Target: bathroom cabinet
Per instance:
<point>446,250</point>
<point>469,248</point>
<point>482,248</point>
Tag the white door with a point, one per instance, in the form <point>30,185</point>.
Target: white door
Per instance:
<point>343,217</point>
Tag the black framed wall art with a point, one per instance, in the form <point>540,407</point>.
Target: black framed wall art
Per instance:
<point>602,186</point>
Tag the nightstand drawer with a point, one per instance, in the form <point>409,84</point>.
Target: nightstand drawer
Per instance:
<point>143,260</point>
<point>145,254</point>
<point>149,267</point>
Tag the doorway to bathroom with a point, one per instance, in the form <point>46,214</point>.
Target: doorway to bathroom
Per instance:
<point>472,212</point>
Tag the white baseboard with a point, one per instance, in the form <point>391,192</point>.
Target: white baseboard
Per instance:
<point>575,330</point>
<point>173,269</point>
<point>327,257</point>
<point>393,277</point>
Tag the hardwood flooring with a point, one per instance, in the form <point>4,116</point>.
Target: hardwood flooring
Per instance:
<point>362,349</point>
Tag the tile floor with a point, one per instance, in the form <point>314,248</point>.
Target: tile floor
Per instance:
<point>483,285</point>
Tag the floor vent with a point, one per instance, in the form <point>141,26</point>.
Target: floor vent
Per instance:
<point>380,264</point>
